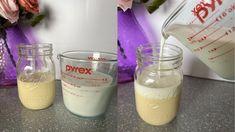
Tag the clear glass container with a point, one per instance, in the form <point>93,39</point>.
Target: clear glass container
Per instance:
<point>158,83</point>
<point>207,29</point>
<point>36,76</point>
<point>88,80</point>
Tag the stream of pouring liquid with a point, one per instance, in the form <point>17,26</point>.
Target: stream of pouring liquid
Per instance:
<point>162,44</point>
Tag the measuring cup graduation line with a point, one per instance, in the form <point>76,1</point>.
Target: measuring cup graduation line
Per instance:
<point>73,76</point>
<point>225,34</point>
<point>84,78</point>
<point>202,47</point>
<point>222,45</point>
<point>190,38</point>
<point>211,58</point>
<point>206,36</point>
<point>72,84</point>
<point>220,17</point>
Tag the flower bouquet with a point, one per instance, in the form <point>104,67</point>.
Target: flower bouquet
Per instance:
<point>13,15</point>
<point>131,34</point>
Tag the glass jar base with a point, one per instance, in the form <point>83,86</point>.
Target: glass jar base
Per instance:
<point>37,108</point>
<point>96,116</point>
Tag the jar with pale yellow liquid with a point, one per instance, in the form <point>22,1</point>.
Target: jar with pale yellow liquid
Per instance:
<point>36,76</point>
<point>158,83</point>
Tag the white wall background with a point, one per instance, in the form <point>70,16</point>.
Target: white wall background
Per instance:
<point>191,65</point>
<point>92,25</point>
<point>79,25</point>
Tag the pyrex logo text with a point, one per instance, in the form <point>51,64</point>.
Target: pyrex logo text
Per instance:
<point>204,8</point>
<point>80,70</point>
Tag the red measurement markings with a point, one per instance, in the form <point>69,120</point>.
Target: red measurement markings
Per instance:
<point>73,76</point>
<point>212,58</point>
<point>202,47</point>
<point>226,12</point>
<point>228,32</point>
<point>105,80</point>
<point>215,49</point>
<point>204,37</point>
<point>190,38</point>
<point>206,19</point>
<point>98,79</point>
<point>219,18</point>
<point>73,84</point>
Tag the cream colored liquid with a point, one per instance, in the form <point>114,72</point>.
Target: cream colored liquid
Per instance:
<point>157,103</point>
<point>38,92</point>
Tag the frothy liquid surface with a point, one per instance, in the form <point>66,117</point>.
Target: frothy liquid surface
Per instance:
<point>37,91</point>
<point>157,103</point>
<point>88,97</point>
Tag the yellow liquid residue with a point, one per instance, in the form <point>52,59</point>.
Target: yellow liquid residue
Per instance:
<point>36,91</point>
<point>157,111</point>
<point>158,102</point>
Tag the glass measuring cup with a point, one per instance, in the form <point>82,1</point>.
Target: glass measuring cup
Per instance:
<point>88,80</point>
<point>207,28</point>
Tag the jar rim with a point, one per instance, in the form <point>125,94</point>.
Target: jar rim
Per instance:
<point>35,45</point>
<point>79,52</point>
<point>34,49</point>
<point>157,57</point>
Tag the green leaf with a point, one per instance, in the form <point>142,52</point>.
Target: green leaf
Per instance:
<point>37,19</point>
<point>154,5</point>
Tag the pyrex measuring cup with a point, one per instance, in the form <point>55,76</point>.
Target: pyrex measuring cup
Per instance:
<point>88,80</point>
<point>207,28</point>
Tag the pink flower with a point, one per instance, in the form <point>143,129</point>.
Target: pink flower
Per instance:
<point>125,4</point>
<point>9,10</point>
<point>30,5</point>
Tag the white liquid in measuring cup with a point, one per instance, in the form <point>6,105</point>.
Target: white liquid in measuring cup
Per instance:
<point>87,95</point>
<point>215,46</point>
<point>157,102</point>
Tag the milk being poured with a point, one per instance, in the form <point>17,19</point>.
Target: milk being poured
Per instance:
<point>206,27</point>
<point>216,51</point>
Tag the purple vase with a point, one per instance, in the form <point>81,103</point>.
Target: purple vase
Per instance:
<point>130,36</point>
<point>9,39</point>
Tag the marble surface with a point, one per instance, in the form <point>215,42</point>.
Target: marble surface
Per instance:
<point>15,118</point>
<point>206,106</point>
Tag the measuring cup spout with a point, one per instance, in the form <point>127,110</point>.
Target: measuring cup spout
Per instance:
<point>171,18</point>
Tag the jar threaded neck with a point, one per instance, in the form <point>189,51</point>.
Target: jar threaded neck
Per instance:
<point>31,50</point>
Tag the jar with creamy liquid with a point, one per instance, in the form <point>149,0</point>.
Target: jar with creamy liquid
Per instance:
<point>36,76</point>
<point>158,83</point>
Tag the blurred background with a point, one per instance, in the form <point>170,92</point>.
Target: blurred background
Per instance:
<point>90,25</point>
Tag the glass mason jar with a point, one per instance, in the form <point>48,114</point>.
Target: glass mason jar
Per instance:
<point>36,76</point>
<point>158,82</point>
